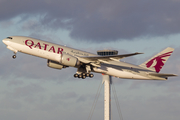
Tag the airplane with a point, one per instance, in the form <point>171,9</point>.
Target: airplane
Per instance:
<point>59,57</point>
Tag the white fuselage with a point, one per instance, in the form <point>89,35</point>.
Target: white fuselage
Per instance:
<point>53,52</point>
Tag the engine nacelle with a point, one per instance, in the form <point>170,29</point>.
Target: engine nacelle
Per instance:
<point>69,60</point>
<point>54,64</point>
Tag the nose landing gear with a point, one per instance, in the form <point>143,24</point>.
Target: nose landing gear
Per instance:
<point>14,56</point>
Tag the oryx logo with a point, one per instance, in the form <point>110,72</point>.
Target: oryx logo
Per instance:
<point>159,61</point>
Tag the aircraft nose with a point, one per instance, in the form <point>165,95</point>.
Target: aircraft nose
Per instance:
<point>5,42</point>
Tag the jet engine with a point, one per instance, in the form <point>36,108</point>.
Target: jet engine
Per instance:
<point>54,64</point>
<point>63,61</point>
<point>69,60</point>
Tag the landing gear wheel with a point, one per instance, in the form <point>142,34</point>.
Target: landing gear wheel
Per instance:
<point>83,77</point>
<point>87,74</point>
<point>91,75</point>
<point>80,76</point>
<point>14,56</point>
<point>83,74</point>
<point>75,75</point>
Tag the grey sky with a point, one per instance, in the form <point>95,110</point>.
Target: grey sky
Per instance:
<point>99,20</point>
<point>29,90</point>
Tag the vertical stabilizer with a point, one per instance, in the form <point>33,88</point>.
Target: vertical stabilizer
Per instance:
<point>157,62</point>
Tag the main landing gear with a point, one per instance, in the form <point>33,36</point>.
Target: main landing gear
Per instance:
<point>83,71</point>
<point>83,75</point>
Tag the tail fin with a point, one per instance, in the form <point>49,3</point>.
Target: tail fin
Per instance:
<point>157,62</point>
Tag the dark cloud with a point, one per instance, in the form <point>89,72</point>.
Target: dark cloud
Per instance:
<point>99,20</point>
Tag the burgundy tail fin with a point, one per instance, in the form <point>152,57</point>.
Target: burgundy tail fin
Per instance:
<point>157,62</point>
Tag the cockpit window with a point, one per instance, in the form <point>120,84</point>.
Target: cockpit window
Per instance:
<point>9,37</point>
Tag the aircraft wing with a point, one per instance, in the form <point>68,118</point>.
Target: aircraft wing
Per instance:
<point>109,57</point>
<point>96,60</point>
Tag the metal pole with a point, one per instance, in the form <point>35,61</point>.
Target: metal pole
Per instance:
<point>107,86</point>
<point>107,97</point>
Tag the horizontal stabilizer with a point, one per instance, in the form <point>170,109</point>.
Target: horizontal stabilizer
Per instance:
<point>162,74</point>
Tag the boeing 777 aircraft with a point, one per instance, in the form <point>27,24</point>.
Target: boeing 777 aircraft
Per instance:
<point>60,57</point>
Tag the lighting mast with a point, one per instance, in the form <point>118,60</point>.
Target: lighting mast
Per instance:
<point>106,79</point>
